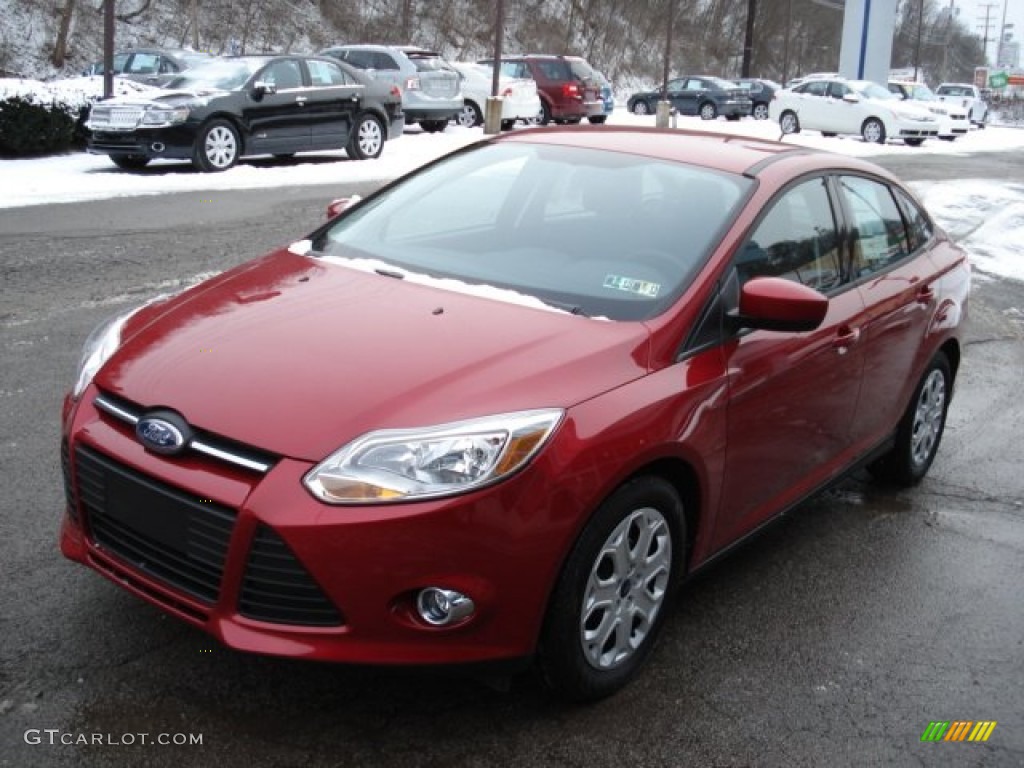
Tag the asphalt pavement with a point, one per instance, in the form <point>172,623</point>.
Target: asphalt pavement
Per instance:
<point>833,639</point>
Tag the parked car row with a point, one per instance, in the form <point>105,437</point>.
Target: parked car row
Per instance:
<point>214,110</point>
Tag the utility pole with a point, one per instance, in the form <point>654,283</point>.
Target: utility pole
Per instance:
<point>748,39</point>
<point>917,45</point>
<point>108,48</point>
<point>987,25</point>
<point>1002,36</point>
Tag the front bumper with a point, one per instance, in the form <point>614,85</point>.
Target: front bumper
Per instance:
<point>256,561</point>
<point>175,143</point>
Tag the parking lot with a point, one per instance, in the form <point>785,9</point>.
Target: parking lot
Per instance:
<point>834,638</point>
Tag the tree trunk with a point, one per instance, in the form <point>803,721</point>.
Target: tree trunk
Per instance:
<point>60,50</point>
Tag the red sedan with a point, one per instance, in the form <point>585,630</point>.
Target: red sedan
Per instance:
<point>500,409</point>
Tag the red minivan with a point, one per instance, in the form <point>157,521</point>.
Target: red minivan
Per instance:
<point>568,89</point>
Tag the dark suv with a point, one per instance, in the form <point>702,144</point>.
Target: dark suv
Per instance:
<point>567,86</point>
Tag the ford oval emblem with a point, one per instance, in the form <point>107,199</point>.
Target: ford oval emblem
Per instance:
<point>159,435</point>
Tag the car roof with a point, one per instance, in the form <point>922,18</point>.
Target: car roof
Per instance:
<point>722,152</point>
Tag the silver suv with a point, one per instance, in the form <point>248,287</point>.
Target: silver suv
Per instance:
<point>431,93</point>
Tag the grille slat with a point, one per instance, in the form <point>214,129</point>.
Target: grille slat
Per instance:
<point>70,498</point>
<point>295,599</point>
<point>161,531</point>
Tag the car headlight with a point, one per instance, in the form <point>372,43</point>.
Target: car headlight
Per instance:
<point>403,464</point>
<point>163,117</point>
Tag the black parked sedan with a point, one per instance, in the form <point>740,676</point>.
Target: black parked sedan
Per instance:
<point>249,105</point>
<point>708,97</point>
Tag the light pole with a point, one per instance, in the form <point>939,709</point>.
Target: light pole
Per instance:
<point>492,109</point>
<point>665,106</point>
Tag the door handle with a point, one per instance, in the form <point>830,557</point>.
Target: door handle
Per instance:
<point>925,295</point>
<point>845,338</point>
<point>300,100</point>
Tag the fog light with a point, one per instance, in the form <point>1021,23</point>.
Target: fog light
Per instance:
<point>441,607</point>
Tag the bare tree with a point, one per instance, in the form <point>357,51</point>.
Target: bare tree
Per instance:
<point>60,49</point>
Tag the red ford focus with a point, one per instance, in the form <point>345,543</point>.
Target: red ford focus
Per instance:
<point>500,409</point>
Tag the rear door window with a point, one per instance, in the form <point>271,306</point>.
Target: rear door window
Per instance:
<point>879,237</point>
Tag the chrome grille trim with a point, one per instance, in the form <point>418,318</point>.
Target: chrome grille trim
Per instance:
<point>209,445</point>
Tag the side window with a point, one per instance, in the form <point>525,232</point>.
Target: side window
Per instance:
<point>325,73</point>
<point>360,59</point>
<point>879,238</point>
<point>383,60</point>
<point>284,74</point>
<point>694,84</point>
<point>515,69</point>
<point>167,66</point>
<point>797,240</point>
<point>120,62</point>
<point>838,90</point>
<point>919,226</point>
<point>815,88</point>
<point>144,64</point>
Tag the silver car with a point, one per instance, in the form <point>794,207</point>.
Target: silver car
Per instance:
<point>431,91</point>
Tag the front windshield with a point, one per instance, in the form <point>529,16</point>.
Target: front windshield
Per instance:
<point>604,234</point>
<point>870,90</point>
<point>218,75</point>
<point>922,92</point>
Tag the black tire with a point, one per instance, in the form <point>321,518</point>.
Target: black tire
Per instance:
<point>130,162</point>
<point>733,118</point>
<point>641,107</point>
<point>789,122</point>
<point>366,141</point>
<point>707,111</point>
<point>598,119</point>
<point>920,429</point>
<point>760,111</point>
<point>433,126</point>
<point>544,116</point>
<point>872,131</point>
<point>643,521</point>
<point>469,116</point>
<point>913,142</point>
<point>508,125</point>
<point>572,120</point>
<point>217,147</point>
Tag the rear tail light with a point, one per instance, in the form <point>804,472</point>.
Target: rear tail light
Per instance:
<point>507,92</point>
<point>396,91</point>
<point>412,84</point>
<point>571,91</point>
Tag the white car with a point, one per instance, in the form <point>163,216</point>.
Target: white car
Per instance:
<point>858,107</point>
<point>519,99</point>
<point>953,119</point>
<point>967,96</point>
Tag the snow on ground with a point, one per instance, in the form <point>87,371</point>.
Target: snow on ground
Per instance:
<point>986,216</point>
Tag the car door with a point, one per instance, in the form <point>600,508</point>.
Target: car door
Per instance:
<point>688,99</point>
<point>811,107</point>
<point>792,396</point>
<point>333,100</point>
<point>895,280</point>
<point>277,119</point>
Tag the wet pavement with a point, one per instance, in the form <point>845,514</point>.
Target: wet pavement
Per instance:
<point>834,638</point>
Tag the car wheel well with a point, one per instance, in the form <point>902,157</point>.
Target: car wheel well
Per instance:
<point>243,135</point>
<point>952,350</point>
<point>683,479</point>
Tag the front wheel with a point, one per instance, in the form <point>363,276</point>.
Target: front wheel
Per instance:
<point>217,147</point>
<point>872,131</point>
<point>789,122</point>
<point>130,162</point>
<point>920,430</point>
<point>641,108</point>
<point>367,139</point>
<point>469,116</point>
<point>610,600</point>
<point>708,111</point>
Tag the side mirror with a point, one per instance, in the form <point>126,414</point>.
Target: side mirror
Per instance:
<point>261,87</point>
<point>851,98</point>
<point>776,304</point>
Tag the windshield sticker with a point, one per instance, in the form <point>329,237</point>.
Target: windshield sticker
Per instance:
<point>631,285</point>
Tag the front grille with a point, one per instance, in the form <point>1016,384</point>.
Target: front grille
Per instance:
<point>106,118</point>
<point>69,490</point>
<point>164,532</point>
<point>277,588</point>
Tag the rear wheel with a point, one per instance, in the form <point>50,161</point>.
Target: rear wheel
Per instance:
<point>872,131</point>
<point>130,162</point>
<point>913,142</point>
<point>598,119</point>
<point>217,147</point>
<point>708,111</point>
<point>543,116</point>
<point>789,122</point>
<point>367,139</point>
<point>760,112</point>
<point>469,116</point>
<point>610,600</point>
<point>920,430</point>
<point>508,125</point>
<point>641,107</point>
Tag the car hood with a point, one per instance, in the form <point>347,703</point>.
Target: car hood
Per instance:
<point>164,98</point>
<point>296,356</point>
